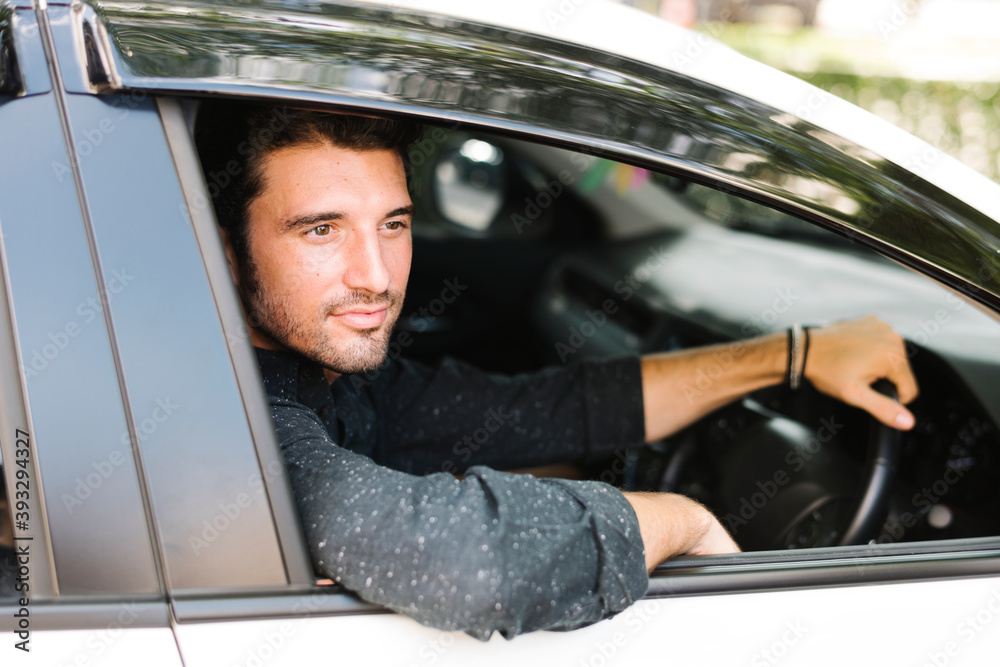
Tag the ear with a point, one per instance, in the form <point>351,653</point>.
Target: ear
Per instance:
<point>230,256</point>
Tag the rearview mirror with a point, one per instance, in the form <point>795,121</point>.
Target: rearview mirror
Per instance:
<point>469,184</point>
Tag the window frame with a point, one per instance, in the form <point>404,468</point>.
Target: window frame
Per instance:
<point>683,576</point>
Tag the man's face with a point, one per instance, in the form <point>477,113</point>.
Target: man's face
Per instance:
<point>329,242</point>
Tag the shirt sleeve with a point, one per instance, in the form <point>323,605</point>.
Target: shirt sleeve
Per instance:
<point>490,552</point>
<point>453,415</point>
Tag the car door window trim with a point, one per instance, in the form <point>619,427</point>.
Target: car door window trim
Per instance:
<point>126,613</point>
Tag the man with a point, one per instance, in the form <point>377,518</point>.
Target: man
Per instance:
<point>316,222</point>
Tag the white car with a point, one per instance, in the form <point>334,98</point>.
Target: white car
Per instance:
<point>578,154</point>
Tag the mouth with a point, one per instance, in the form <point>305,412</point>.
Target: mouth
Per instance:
<point>362,319</point>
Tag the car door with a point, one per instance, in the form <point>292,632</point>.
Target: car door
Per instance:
<point>768,607</point>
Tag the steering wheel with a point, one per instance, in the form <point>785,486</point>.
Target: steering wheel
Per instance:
<point>872,502</point>
<point>782,487</point>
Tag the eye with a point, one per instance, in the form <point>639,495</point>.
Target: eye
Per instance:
<point>322,230</point>
<point>393,225</point>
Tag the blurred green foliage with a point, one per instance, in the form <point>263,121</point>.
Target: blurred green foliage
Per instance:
<point>959,117</point>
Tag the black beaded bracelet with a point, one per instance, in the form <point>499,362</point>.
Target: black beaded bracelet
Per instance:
<point>798,348</point>
<point>805,350</point>
<point>788,363</point>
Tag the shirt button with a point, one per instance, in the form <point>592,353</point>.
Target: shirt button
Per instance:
<point>323,411</point>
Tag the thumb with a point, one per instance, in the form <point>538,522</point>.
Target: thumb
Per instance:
<point>884,409</point>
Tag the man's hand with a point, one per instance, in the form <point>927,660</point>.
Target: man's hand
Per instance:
<point>847,357</point>
<point>672,525</point>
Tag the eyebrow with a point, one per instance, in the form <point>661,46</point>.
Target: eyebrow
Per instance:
<point>317,218</point>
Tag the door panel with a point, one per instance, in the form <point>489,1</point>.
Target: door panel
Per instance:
<point>951,622</point>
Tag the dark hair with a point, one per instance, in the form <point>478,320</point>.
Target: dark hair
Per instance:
<point>233,138</point>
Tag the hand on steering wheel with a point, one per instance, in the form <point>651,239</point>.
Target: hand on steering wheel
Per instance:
<point>847,358</point>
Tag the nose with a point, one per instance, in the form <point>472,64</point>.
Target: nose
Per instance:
<point>367,270</point>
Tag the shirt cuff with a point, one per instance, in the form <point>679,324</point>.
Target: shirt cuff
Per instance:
<point>613,406</point>
<point>622,578</point>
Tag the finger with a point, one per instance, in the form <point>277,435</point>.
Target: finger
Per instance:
<point>884,409</point>
<point>901,375</point>
<point>900,372</point>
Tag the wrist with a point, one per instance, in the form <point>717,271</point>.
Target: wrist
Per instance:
<point>670,524</point>
<point>774,348</point>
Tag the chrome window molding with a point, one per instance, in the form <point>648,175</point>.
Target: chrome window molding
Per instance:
<point>82,48</point>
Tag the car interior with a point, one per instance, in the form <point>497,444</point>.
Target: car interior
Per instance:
<point>568,256</point>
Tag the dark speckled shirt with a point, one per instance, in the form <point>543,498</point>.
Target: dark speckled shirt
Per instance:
<point>371,458</point>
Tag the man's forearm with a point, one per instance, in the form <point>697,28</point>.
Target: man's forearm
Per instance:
<point>843,361</point>
<point>679,388</point>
